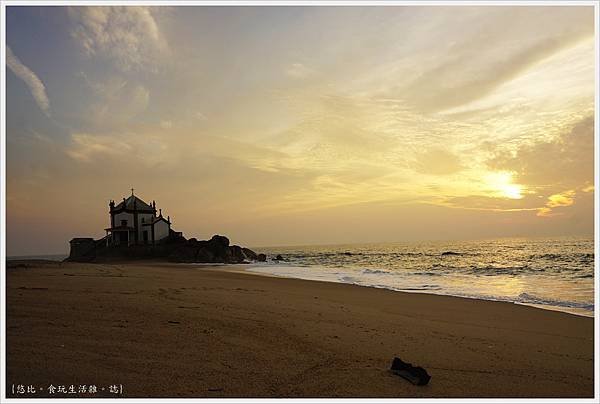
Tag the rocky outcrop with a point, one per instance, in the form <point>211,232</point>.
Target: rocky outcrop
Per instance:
<point>174,249</point>
<point>216,250</point>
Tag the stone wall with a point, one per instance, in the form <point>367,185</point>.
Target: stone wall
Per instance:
<point>82,249</point>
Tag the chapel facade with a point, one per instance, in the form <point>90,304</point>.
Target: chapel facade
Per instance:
<point>135,222</point>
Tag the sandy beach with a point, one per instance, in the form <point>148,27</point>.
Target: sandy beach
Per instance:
<point>166,330</point>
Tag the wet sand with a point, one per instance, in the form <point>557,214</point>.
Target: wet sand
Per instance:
<point>166,330</point>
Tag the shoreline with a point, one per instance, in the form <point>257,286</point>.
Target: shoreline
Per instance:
<point>234,269</point>
<point>220,333</point>
<point>568,310</point>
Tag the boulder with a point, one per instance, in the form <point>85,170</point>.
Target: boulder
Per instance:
<point>219,247</point>
<point>249,254</point>
<point>261,257</point>
<point>220,240</point>
<point>237,255</point>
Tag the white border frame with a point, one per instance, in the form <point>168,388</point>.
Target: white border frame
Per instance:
<point>5,3</point>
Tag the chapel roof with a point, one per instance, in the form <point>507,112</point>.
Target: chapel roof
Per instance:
<point>140,205</point>
<point>156,219</point>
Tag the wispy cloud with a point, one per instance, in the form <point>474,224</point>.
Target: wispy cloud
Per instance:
<point>431,91</point>
<point>37,88</point>
<point>129,36</point>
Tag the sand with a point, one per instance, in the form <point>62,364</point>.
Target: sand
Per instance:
<point>166,330</point>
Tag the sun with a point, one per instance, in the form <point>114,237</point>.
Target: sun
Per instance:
<point>502,186</point>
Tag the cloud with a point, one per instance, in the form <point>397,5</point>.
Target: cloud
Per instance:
<point>438,89</point>
<point>549,167</point>
<point>37,88</point>
<point>563,199</point>
<point>128,36</point>
<point>565,162</point>
<point>588,188</point>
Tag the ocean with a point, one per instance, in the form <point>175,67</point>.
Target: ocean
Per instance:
<point>550,273</point>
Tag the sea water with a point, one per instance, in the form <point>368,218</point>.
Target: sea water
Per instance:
<point>550,273</point>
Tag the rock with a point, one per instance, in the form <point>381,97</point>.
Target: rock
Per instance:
<point>204,254</point>
<point>221,240</point>
<point>278,258</point>
<point>414,374</point>
<point>184,253</point>
<point>261,257</point>
<point>237,255</point>
<point>177,249</point>
<point>249,254</point>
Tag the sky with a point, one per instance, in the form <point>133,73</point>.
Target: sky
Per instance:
<point>301,125</point>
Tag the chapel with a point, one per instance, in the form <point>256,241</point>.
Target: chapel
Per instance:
<point>134,222</point>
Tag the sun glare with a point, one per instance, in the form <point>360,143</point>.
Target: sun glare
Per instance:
<point>502,185</point>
